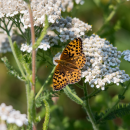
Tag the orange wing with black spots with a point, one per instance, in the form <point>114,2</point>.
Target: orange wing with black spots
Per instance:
<point>68,69</point>
<point>64,76</point>
<point>73,53</point>
<point>60,78</point>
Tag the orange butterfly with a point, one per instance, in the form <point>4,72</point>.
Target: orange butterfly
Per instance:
<point>71,61</point>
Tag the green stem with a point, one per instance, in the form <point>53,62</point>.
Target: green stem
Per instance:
<point>16,59</point>
<point>79,85</point>
<point>88,109</point>
<point>107,20</point>
<point>49,77</point>
<point>110,110</point>
<point>93,93</point>
<point>47,115</point>
<point>28,88</point>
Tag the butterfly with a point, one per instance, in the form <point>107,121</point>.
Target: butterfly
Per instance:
<point>68,71</point>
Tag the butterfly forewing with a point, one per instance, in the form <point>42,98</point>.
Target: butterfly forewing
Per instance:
<point>73,53</point>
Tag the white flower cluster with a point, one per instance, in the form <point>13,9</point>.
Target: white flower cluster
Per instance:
<point>102,66</point>
<point>40,8</point>
<point>10,115</point>
<point>126,55</point>
<point>28,48</point>
<point>68,4</point>
<point>70,28</point>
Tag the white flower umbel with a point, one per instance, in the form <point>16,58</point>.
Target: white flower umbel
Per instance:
<point>11,116</point>
<point>126,55</point>
<point>40,8</point>
<point>102,66</point>
<point>70,28</point>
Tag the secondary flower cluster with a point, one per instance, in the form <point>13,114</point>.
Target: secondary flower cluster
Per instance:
<point>126,55</point>
<point>11,116</point>
<point>102,66</point>
<point>68,29</point>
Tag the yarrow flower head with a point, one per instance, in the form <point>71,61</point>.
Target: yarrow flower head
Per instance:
<point>52,8</point>
<point>10,115</point>
<point>70,28</point>
<point>102,66</point>
<point>126,55</point>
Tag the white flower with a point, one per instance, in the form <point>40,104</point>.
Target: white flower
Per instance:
<point>52,8</point>
<point>44,45</point>
<point>7,113</point>
<point>126,55</point>
<point>103,59</point>
<point>25,47</point>
<point>56,57</point>
<point>70,28</point>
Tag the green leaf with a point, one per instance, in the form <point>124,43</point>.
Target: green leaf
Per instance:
<point>119,111</point>
<point>47,115</point>
<point>11,69</point>
<point>72,96</point>
<point>23,59</point>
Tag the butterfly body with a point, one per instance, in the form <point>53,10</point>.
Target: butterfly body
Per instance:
<point>71,61</point>
<point>64,63</point>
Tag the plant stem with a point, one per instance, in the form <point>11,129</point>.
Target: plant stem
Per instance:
<point>16,59</point>
<point>88,109</point>
<point>93,93</point>
<point>33,51</point>
<point>32,102</point>
<point>27,84</point>
<point>49,77</point>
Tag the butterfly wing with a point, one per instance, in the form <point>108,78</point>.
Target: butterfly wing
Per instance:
<point>64,75</point>
<point>73,53</point>
<point>73,75</point>
<point>60,79</point>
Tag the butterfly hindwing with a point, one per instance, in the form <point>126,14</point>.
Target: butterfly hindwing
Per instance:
<point>60,79</point>
<point>64,76</point>
<point>74,75</point>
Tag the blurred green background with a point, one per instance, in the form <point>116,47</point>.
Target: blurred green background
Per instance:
<point>67,115</point>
